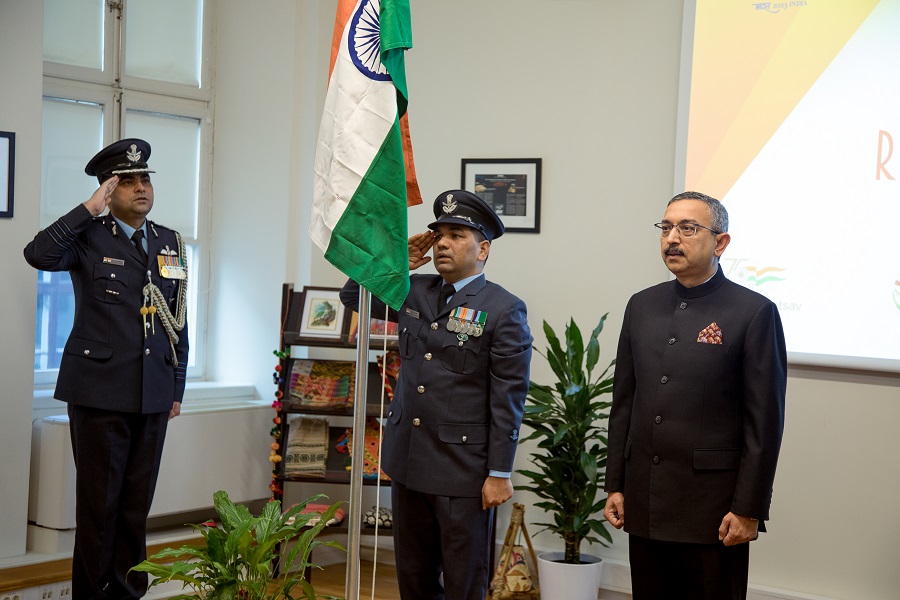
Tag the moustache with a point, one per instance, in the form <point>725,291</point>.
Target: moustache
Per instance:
<point>674,250</point>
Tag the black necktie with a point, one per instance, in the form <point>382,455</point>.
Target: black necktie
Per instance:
<point>446,291</point>
<point>137,237</point>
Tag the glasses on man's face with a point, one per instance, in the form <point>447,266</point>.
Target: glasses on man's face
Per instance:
<point>684,230</point>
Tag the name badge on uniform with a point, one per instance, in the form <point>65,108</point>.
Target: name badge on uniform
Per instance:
<point>467,321</point>
<point>113,261</point>
<point>171,266</point>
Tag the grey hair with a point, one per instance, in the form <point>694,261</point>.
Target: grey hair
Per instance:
<point>719,214</point>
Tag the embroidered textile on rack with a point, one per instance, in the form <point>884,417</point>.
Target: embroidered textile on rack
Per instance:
<point>307,447</point>
<point>321,383</point>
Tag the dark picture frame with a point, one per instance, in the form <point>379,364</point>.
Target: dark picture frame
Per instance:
<point>7,173</point>
<point>322,317</point>
<point>511,186</point>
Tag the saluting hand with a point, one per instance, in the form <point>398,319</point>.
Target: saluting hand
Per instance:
<point>98,202</point>
<point>419,245</point>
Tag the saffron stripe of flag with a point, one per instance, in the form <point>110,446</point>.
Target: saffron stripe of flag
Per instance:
<point>360,194</point>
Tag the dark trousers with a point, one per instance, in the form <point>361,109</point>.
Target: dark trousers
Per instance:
<point>677,571</point>
<point>117,457</point>
<point>436,535</point>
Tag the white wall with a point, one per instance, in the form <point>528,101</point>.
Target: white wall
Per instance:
<point>21,39</point>
<point>270,80</point>
<point>587,85</point>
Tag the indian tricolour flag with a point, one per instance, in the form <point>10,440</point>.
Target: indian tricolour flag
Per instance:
<point>362,173</point>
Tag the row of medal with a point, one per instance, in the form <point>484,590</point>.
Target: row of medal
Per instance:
<point>467,321</point>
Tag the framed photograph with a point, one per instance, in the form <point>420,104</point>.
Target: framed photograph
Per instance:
<point>511,186</point>
<point>7,172</point>
<point>322,315</point>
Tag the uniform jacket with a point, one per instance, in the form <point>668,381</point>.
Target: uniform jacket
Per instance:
<point>695,428</point>
<point>457,406</point>
<point>108,363</point>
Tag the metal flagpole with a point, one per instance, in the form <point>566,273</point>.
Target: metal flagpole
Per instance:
<point>354,523</point>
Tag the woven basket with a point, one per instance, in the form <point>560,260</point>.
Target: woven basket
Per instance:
<point>499,587</point>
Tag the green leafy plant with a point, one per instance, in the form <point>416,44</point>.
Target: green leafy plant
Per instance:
<point>568,421</point>
<point>241,555</point>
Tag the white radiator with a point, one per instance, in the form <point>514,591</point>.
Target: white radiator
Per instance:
<point>215,446</point>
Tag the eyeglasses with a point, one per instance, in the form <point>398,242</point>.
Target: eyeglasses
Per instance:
<point>685,230</point>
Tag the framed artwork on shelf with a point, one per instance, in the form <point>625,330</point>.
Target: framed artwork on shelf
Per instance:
<point>7,173</point>
<point>379,330</point>
<point>321,317</point>
<point>510,186</point>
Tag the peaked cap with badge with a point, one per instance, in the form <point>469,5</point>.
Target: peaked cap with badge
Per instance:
<point>119,158</point>
<point>465,208</point>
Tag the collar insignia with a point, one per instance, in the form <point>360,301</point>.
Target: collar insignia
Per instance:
<point>449,205</point>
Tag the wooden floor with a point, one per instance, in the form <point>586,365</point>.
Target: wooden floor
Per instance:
<point>331,581</point>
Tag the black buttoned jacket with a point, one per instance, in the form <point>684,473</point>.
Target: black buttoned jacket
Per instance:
<point>695,428</point>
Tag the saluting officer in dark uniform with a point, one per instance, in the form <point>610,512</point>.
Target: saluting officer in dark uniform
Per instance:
<point>453,426</point>
<point>123,370</point>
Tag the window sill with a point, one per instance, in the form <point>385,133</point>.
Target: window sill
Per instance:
<point>199,396</point>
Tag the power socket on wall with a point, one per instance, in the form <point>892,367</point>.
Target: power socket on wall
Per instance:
<point>63,590</point>
<point>41,592</point>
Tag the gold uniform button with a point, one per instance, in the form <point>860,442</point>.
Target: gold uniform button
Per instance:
<point>147,352</point>
<point>465,438</point>
<point>87,352</point>
<point>434,326</point>
<point>421,389</point>
<point>416,422</point>
<point>428,356</point>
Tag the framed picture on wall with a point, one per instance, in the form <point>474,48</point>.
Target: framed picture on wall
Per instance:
<point>511,186</point>
<point>7,172</point>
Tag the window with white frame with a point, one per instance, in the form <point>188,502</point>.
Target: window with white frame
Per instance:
<point>115,69</point>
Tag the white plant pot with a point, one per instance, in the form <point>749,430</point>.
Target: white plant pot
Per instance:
<point>561,581</point>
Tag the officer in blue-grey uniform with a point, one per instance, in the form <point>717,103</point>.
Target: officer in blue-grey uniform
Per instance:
<point>453,426</point>
<point>123,370</point>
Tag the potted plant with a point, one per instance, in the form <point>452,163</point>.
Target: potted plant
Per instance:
<point>568,422</point>
<point>246,557</point>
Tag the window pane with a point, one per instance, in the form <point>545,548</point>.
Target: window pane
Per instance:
<point>55,315</point>
<point>72,132</point>
<point>175,145</point>
<point>73,32</point>
<point>163,40</point>
<point>193,324</point>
